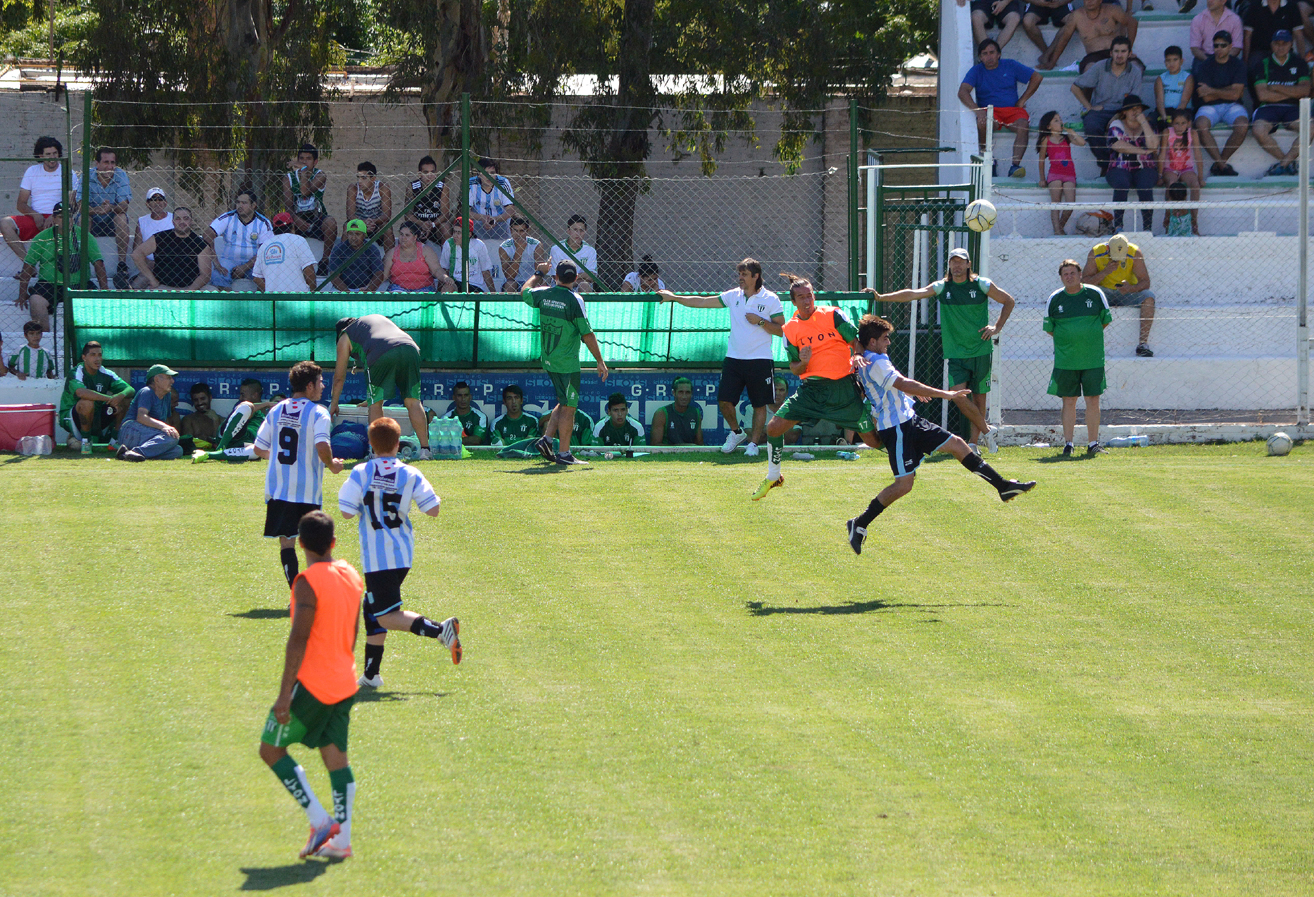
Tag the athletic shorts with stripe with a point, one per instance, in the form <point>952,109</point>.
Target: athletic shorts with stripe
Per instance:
<point>910,442</point>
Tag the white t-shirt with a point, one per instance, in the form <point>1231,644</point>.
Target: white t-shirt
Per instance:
<point>749,340</point>
<point>44,186</point>
<point>586,254</point>
<point>280,261</point>
<point>149,227</point>
<point>633,280</point>
<point>450,258</point>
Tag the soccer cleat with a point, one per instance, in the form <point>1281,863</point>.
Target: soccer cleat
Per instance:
<point>857,535</point>
<point>200,457</point>
<point>751,450</point>
<point>567,458</point>
<point>544,446</point>
<point>1067,450</point>
<point>1096,449</point>
<point>425,455</point>
<point>1143,350</point>
<point>319,837</point>
<point>1013,489</point>
<point>992,442</point>
<point>449,633</point>
<point>375,681</point>
<point>766,486</point>
<point>334,852</point>
<point>733,441</point>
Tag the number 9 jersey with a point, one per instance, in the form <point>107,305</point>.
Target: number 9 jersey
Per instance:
<point>290,434</point>
<point>380,493</point>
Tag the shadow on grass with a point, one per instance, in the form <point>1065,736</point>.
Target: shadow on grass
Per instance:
<point>1077,455</point>
<point>377,696</point>
<point>263,613</point>
<point>759,609</point>
<point>545,468</point>
<point>267,878</point>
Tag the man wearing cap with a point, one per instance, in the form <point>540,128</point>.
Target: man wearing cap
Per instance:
<point>1118,268</point>
<point>1279,80</point>
<point>1220,80</point>
<point>1101,89</point>
<point>146,434</point>
<point>966,334</point>
<point>157,218</point>
<point>175,259</point>
<point>303,193</point>
<point>243,230</point>
<point>45,258</point>
<point>284,262</point>
<point>108,193</point>
<point>365,273</point>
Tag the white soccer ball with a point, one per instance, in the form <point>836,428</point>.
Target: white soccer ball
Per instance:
<point>980,215</point>
<point>610,456</point>
<point>1279,444</point>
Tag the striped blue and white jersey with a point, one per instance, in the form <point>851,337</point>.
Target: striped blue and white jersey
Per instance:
<point>889,406</point>
<point>380,493</point>
<point>290,433</point>
<point>240,241</point>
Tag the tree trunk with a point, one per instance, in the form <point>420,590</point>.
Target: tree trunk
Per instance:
<point>456,61</point>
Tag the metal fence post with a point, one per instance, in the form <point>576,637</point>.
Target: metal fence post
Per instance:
<point>1302,274</point>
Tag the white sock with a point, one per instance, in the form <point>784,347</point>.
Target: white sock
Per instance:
<point>315,811</point>
<point>241,451</point>
<point>343,837</point>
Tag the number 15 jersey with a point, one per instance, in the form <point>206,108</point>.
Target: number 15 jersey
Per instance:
<point>290,433</point>
<point>380,493</point>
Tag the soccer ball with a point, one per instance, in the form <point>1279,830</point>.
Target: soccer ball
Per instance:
<point>980,215</point>
<point>1279,444</point>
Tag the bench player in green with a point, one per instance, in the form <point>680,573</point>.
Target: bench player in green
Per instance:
<point>474,423</point>
<point>564,325</point>
<point>237,436</point>
<point>1075,317</point>
<point>514,425</point>
<point>94,400</point>
<point>681,422</point>
<point>618,428</point>
<point>965,330</point>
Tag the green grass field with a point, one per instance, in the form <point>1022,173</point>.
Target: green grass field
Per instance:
<point>1104,687</point>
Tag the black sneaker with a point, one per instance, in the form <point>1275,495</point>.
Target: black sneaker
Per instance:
<point>1143,350</point>
<point>1012,489</point>
<point>120,452</point>
<point>857,535</point>
<point>544,446</point>
<point>1067,450</point>
<point>566,458</point>
<point>1096,449</point>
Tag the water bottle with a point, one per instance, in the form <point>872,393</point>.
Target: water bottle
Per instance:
<point>445,437</point>
<point>847,456</point>
<point>46,445</point>
<point>1129,441</point>
<point>29,445</point>
<point>803,456</point>
<point>86,447</point>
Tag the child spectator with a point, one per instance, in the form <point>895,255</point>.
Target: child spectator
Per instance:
<point>1178,222</point>
<point>31,360</point>
<point>1173,89</point>
<point>1055,145</point>
<point>1180,160</point>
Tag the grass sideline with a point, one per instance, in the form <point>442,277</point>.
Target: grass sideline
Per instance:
<point>1103,687</point>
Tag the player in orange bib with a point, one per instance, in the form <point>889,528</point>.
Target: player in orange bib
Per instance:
<point>821,343</point>
<point>318,687</point>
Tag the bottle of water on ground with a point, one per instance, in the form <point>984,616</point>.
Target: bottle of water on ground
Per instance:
<point>847,456</point>
<point>445,437</point>
<point>35,445</point>
<point>1128,441</point>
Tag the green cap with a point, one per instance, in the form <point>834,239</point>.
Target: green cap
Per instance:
<point>355,224</point>
<point>156,369</point>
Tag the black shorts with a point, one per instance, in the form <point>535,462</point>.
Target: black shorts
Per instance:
<point>1047,15</point>
<point>103,226</point>
<point>52,292</point>
<point>910,442</point>
<point>282,517</point>
<point>993,20</point>
<point>753,374</point>
<point>382,596</point>
<point>314,225</point>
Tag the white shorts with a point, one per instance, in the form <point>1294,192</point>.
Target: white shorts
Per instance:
<point>1230,113</point>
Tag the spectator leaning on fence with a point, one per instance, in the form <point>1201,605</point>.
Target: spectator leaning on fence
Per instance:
<point>285,263</point>
<point>1279,80</point>
<point>1118,268</point>
<point>576,229</point>
<point>95,399</point>
<point>1098,23</point>
<point>1220,82</point>
<point>243,230</point>
<point>109,194</point>
<point>520,256</point>
<point>303,194</point>
<point>181,259</point>
<point>1101,89</point>
<point>995,81</point>
<point>39,191</point>
<point>45,258</point>
<point>146,434</point>
<point>365,273</point>
<point>644,279</point>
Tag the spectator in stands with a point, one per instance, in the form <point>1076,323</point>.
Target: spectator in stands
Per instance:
<point>1055,146</point>
<point>474,423</point>
<point>520,256</point>
<point>371,202</point>
<point>1220,81</point>
<point>109,195</point>
<point>1076,316</point>
<point>32,360</point>
<point>586,257</point>
<point>618,428</point>
<point>644,279</point>
<point>1178,222</point>
<point>1118,268</point>
<point>1099,24</point>
<point>365,273</point>
<point>146,433</point>
<point>243,230</point>
<point>995,81</point>
<point>681,422</point>
<point>1044,12</point>
<point>412,266</point>
<point>157,218</point>
<point>45,258</point>
<point>1180,161</point>
<point>1101,90</point>
<point>514,425</point>
<point>428,215</point>
<point>95,399</point>
<point>491,202</point>
<point>39,191</point>
<point>1279,80</point>
<point>181,259</point>
<point>1135,149</point>
<point>303,195</point>
<point>481,266</point>
<point>1266,18</point>
<point>203,422</point>
<point>1006,15</point>
<point>1215,17</point>
<point>1173,89</point>
<point>285,263</point>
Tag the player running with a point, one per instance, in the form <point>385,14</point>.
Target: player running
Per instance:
<point>380,492</point>
<point>296,435</point>
<point>237,437</point>
<point>318,687</point>
<point>907,437</point>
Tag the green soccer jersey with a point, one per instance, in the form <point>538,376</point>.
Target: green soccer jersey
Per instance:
<point>563,325</point>
<point>32,363</point>
<point>507,430</point>
<point>581,433</point>
<point>45,253</point>
<point>964,310</point>
<point>681,429</point>
<point>1077,321</point>
<point>104,381</point>
<point>628,433</point>
<point>473,423</point>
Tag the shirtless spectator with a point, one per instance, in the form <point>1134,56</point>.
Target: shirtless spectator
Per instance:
<point>1213,18</point>
<point>37,194</point>
<point>1098,23</point>
<point>303,195</point>
<point>1006,15</point>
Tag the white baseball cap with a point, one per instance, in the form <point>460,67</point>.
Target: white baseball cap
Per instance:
<point>960,253</point>
<point>154,192</point>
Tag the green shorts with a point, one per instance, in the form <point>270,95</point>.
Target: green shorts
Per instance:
<point>1067,384</point>
<point>313,724</point>
<point>567,388</point>
<point>975,372</point>
<point>397,369</point>
<point>838,401</point>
